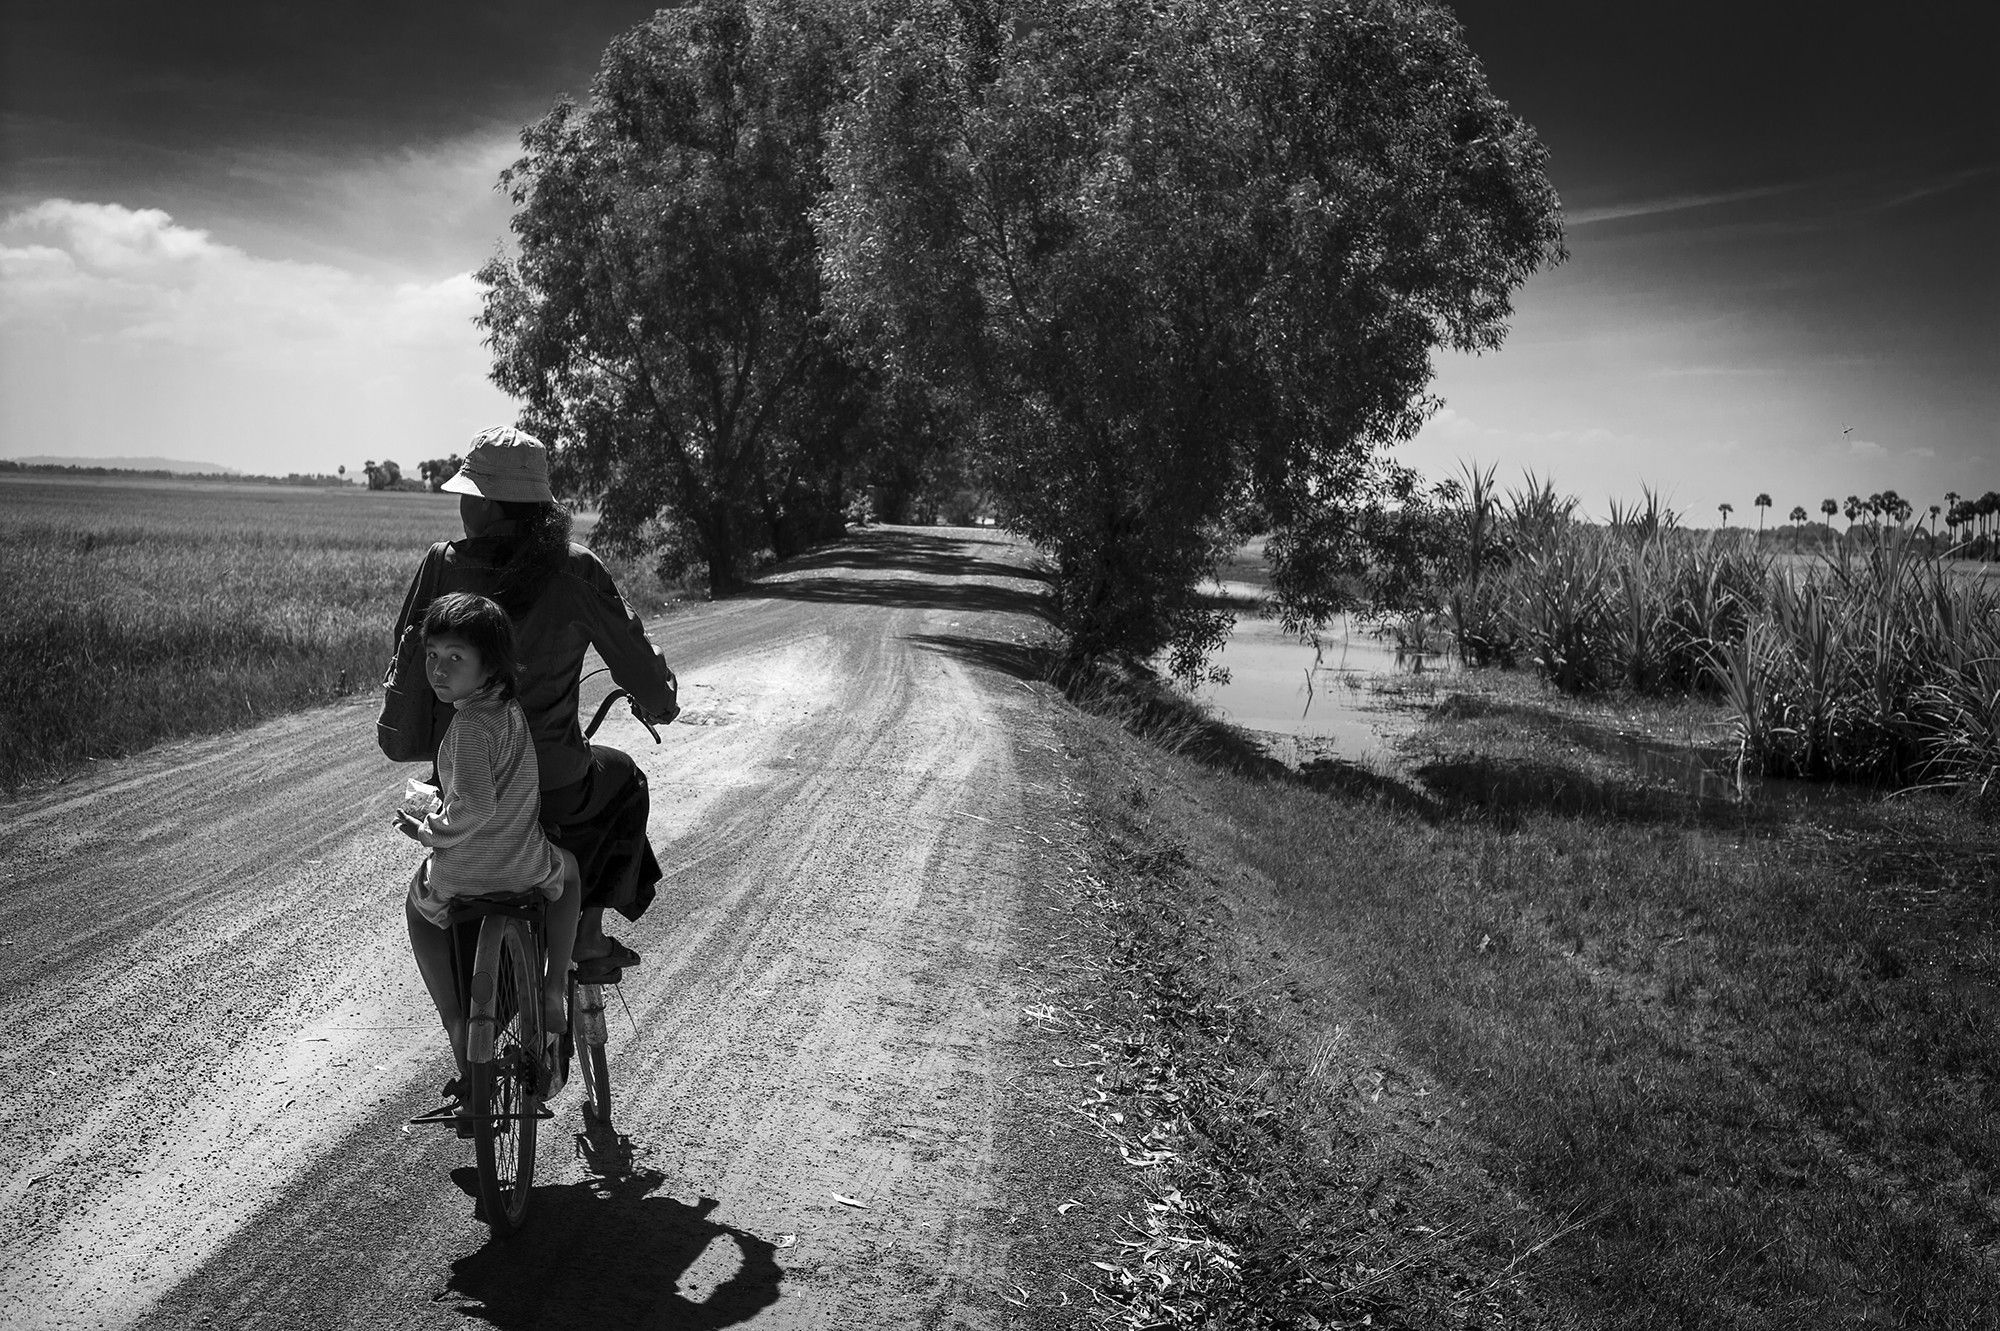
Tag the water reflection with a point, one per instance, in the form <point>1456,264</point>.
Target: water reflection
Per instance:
<point>1348,698</point>
<point>1341,693</point>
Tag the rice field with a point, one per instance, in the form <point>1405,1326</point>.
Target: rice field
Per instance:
<point>133,611</point>
<point>138,610</point>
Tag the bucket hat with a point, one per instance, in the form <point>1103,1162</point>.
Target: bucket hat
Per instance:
<point>506,465</point>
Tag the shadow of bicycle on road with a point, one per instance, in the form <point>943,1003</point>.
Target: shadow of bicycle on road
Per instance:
<point>611,1253</point>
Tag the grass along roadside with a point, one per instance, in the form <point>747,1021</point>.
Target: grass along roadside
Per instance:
<point>1739,1058</point>
<point>1301,1173</point>
<point>132,612</point>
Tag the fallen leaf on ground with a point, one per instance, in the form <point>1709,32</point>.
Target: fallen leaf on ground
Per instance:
<point>848,1201</point>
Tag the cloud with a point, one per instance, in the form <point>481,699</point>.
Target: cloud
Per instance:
<point>1674,203</point>
<point>1942,185</point>
<point>104,272</point>
<point>116,320</point>
<point>1870,450</point>
<point>420,208</point>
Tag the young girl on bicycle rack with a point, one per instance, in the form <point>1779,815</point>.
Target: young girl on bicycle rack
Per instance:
<point>485,832</point>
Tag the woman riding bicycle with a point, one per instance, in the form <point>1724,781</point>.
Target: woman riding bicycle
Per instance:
<point>517,550</point>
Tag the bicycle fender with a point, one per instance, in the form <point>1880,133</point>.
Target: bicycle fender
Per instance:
<point>480,1024</point>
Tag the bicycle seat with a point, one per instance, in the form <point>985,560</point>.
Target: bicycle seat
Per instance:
<point>523,905</point>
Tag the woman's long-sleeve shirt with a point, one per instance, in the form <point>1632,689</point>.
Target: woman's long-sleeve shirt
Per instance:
<point>580,608</point>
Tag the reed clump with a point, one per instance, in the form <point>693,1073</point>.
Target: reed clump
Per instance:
<point>1882,667</point>
<point>1875,661</point>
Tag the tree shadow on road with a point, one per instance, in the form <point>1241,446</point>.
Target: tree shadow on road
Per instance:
<point>1022,660</point>
<point>949,572</point>
<point>611,1253</point>
<point>880,551</point>
<point>910,594</point>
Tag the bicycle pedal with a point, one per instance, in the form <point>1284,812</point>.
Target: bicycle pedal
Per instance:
<point>442,1114</point>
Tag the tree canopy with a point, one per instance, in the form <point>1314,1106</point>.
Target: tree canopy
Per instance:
<point>661,317</point>
<point>1185,263</point>
<point>1167,270</point>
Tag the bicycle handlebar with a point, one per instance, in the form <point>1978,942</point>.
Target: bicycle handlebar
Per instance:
<point>605,707</point>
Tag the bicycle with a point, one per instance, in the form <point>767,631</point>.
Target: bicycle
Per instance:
<point>510,1071</point>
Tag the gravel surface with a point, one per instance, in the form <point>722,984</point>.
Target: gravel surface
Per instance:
<point>215,1033</point>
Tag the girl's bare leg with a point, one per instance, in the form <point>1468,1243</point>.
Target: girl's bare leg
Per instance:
<point>432,948</point>
<point>561,924</point>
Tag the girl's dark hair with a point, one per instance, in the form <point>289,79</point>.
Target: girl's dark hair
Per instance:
<point>482,623</point>
<point>534,554</point>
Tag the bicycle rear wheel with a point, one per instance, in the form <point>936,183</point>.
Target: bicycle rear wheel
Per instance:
<point>586,1024</point>
<point>504,1100</point>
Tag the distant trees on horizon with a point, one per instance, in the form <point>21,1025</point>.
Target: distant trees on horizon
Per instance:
<point>168,474</point>
<point>439,470</point>
<point>1971,523</point>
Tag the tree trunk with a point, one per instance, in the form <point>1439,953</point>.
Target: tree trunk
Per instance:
<point>774,517</point>
<point>718,538</point>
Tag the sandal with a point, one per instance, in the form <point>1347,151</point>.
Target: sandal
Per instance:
<point>616,957</point>
<point>455,1094</point>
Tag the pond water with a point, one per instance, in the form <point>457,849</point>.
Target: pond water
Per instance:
<point>1339,694</point>
<point>1354,694</point>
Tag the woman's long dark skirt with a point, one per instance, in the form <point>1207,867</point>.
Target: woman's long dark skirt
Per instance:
<point>601,819</point>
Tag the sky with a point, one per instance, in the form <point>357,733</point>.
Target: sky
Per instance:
<point>1781,222</point>
<point>244,233</point>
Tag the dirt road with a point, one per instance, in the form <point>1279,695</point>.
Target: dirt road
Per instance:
<point>214,1034</point>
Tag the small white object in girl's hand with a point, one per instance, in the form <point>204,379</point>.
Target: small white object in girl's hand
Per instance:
<point>420,798</point>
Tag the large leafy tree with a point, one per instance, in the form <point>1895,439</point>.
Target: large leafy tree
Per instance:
<point>661,314</point>
<point>1184,263</point>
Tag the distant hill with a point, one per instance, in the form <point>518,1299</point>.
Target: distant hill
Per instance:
<point>133,464</point>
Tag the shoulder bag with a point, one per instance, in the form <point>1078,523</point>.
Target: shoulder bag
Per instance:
<point>406,728</point>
